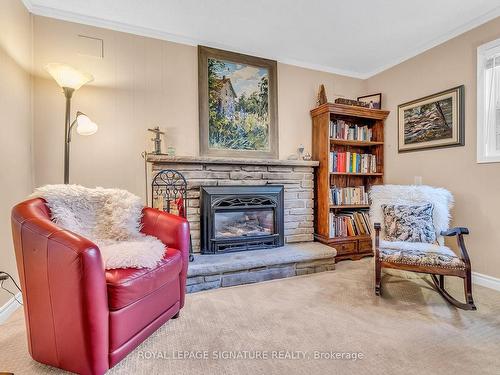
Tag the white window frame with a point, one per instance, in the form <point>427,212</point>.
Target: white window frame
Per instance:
<point>484,155</point>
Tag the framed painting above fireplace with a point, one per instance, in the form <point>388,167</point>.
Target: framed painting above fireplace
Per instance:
<point>238,105</point>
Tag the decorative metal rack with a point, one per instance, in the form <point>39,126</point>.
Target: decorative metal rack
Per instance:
<point>170,186</point>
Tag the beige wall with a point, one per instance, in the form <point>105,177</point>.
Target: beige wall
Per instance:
<point>475,186</point>
<point>140,83</point>
<point>15,122</point>
<point>143,82</point>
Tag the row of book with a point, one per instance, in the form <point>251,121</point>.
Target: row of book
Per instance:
<point>349,223</point>
<point>348,195</point>
<point>352,162</point>
<point>340,129</point>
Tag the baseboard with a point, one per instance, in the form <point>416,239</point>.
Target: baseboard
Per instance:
<point>9,307</point>
<point>486,281</point>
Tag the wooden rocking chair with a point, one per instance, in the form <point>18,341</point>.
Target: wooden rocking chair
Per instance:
<point>440,261</point>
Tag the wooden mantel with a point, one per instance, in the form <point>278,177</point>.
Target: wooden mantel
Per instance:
<point>162,158</point>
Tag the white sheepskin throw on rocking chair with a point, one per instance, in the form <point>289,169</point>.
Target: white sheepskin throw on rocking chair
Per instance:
<point>441,200</point>
<point>111,218</point>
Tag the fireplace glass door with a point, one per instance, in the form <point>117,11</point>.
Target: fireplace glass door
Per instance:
<point>241,218</point>
<point>247,223</point>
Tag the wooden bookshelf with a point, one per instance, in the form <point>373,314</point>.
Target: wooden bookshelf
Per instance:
<point>351,247</point>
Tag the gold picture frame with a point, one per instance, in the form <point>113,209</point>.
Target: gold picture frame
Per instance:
<point>433,121</point>
<point>238,105</point>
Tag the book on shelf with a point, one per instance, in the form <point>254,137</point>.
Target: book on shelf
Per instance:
<point>342,130</point>
<point>349,223</point>
<point>348,195</point>
<point>352,162</point>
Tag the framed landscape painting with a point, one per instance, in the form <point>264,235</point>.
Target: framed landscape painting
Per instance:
<point>238,105</point>
<point>434,121</point>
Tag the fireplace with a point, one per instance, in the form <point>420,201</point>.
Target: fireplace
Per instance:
<point>238,218</point>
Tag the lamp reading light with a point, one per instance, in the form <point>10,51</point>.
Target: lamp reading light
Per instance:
<point>71,79</point>
<point>84,125</point>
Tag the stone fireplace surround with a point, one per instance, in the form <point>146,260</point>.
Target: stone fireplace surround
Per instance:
<point>297,176</point>
<point>220,270</point>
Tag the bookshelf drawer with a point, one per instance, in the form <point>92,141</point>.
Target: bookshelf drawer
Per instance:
<point>365,245</point>
<point>346,247</point>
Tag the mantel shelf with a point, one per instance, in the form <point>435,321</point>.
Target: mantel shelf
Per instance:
<point>166,159</point>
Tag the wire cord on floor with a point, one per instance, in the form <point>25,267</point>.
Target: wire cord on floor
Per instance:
<point>5,276</point>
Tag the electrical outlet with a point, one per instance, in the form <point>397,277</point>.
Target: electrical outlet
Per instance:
<point>417,180</point>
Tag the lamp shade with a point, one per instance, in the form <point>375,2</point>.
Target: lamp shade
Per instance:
<point>84,125</point>
<point>67,76</point>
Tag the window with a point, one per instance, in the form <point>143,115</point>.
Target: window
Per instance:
<point>488,102</point>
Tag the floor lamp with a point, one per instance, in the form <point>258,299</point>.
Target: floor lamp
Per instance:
<point>71,80</point>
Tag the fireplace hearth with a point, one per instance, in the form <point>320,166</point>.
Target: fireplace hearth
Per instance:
<point>239,218</point>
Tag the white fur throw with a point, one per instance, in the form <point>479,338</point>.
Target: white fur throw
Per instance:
<point>441,199</point>
<point>111,218</point>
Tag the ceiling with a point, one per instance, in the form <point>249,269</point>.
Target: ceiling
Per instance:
<point>355,38</point>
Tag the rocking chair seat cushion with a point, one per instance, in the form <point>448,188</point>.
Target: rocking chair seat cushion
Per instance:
<point>419,254</point>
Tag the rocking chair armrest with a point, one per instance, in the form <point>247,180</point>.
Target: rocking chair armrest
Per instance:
<point>459,232</point>
<point>377,228</point>
<point>455,231</point>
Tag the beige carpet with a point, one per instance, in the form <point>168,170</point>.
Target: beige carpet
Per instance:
<point>411,330</point>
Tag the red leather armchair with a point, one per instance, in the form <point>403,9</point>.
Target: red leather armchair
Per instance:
<point>79,316</point>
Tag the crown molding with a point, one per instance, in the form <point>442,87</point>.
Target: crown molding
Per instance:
<point>162,35</point>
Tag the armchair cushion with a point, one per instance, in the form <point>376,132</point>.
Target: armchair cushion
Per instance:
<point>128,285</point>
<point>419,254</point>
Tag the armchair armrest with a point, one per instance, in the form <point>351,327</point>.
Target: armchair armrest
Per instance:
<point>170,229</point>
<point>455,231</point>
<point>173,231</point>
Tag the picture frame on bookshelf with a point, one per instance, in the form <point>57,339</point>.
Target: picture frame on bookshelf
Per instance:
<point>433,121</point>
<point>374,100</point>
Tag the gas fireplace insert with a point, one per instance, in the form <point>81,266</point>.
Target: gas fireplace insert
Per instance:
<point>238,218</point>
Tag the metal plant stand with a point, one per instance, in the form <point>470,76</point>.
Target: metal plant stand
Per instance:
<point>169,192</point>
